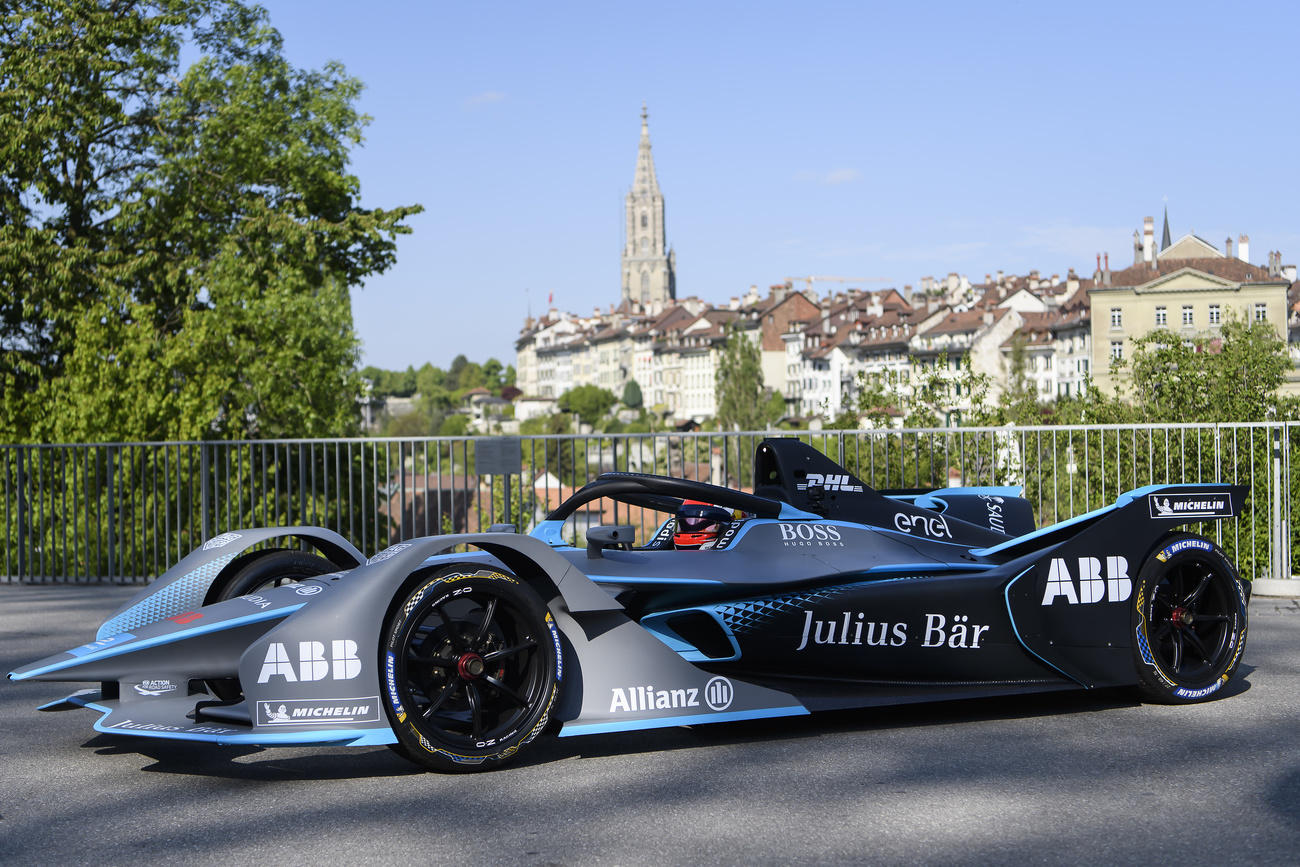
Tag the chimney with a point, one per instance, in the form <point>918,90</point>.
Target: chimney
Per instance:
<point>1227,247</point>
<point>1288,271</point>
<point>1137,247</point>
<point>1096,275</point>
<point>1243,248</point>
<point>1148,239</point>
<point>1105,274</point>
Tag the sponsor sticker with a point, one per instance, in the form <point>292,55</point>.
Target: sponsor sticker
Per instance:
<point>718,695</point>
<point>132,725</point>
<point>1183,545</point>
<point>810,535</point>
<point>559,652</point>
<point>317,711</point>
<point>933,526</point>
<point>1183,692</point>
<point>1099,580</point>
<point>829,482</point>
<point>220,541</point>
<point>311,661</point>
<point>389,553</point>
<point>390,676</point>
<point>155,687</point>
<point>307,589</point>
<point>1183,506</point>
<point>187,617</point>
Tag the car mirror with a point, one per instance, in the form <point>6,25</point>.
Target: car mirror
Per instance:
<point>617,536</point>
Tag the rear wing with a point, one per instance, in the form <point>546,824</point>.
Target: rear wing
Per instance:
<point>1165,506</point>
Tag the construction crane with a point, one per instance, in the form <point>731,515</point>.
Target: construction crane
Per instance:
<point>829,279</point>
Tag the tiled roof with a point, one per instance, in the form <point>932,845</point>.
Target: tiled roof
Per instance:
<point>1229,269</point>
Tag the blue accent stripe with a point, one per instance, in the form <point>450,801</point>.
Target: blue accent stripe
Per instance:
<point>331,737</point>
<point>941,569</point>
<point>627,579</point>
<point>169,638</point>
<point>571,730</point>
<point>1006,595</point>
<point>790,513</point>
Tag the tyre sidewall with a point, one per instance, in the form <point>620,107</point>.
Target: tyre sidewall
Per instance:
<point>1154,680</point>
<point>268,566</point>
<point>433,591</point>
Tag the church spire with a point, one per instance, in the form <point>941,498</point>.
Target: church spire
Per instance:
<point>1164,239</point>
<point>649,266</point>
<point>645,182</point>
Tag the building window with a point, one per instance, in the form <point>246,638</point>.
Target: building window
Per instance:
<point>1214,314</point>
<point>1187,315</point>
<point>1116,318</point>
<point>1117,349</point>
<point>1261,312</point>
<point>1161,319</point>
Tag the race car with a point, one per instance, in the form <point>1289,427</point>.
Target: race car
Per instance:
<point>811,592</point>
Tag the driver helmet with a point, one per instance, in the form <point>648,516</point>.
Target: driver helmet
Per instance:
<point>699,524</point>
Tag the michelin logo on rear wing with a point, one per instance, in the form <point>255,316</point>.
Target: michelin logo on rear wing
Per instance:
<point>1181,506</point>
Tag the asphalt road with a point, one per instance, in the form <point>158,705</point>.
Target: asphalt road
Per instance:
<point>1065,778</point>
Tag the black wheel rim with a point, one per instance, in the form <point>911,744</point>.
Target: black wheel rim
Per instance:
<point>1192,615</point>
<point>471,667</point>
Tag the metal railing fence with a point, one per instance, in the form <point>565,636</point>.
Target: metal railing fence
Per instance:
<point>123,512</point>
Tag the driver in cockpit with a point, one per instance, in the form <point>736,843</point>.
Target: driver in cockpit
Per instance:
<point>699,525</point>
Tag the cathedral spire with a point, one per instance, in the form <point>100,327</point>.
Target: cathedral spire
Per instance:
<point>1164,239</point>
<point>645,182</point>
<point>649,266</point>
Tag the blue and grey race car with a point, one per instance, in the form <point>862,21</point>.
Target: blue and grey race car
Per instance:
<point>813,592</point>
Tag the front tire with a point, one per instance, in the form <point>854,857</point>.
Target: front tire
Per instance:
<point>1189,621</point>
<point>471,665</point>
<point>271,569</point>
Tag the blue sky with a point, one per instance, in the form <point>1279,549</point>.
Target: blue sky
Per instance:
<point>856,139</point>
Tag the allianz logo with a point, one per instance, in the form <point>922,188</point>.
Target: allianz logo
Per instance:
<point>718,694</point>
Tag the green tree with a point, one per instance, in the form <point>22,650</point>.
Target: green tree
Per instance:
<point>1020,400</point>
<point>632,398</point>
<point>1231,376</point>
<point>588,402</point>
<point>738,384</point>
<point>177,246</point>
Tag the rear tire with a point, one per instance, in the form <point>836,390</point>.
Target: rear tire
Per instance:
<point>1189,621</point>
<point>471,665</point>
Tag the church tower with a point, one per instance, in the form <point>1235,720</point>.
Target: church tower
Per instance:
<point>649,266</point>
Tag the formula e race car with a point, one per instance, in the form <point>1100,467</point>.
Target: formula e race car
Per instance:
<point>817,592</point>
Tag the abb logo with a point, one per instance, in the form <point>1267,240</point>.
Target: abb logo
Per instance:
<point>342,663</point>
<point>1091,586</point>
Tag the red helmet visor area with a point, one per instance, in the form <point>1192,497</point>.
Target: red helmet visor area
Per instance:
<point>698,523</point>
